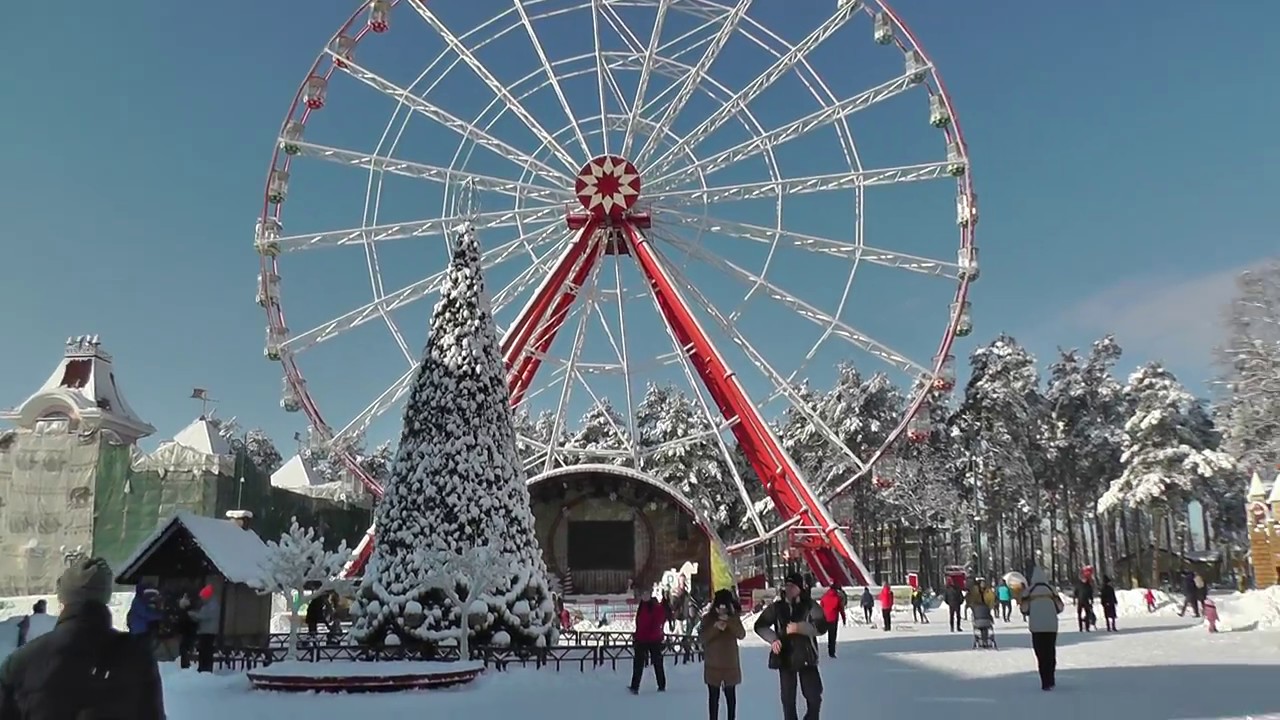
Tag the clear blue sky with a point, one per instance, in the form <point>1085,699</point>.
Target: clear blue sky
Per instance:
<point>1122,156</point>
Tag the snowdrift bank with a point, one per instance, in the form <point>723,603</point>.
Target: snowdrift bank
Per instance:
<point>1253,610</point>
<point>40,624</point>
<point>1131,603</point>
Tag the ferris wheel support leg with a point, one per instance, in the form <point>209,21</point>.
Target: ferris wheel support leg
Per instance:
<point>541,311</point>
<point>359,556</point>
<point>829,553</point>
<point>520,377</point>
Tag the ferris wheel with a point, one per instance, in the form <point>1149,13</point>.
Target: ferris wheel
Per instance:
<point>665,191</point>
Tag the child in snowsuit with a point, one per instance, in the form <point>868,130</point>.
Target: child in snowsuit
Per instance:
<point>1150,597</point>
<point>1210,614</point>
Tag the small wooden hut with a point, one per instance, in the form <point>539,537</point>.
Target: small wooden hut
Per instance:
<point>189,551</point>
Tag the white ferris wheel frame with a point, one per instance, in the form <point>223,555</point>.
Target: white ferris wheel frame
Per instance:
<point>545,187</point>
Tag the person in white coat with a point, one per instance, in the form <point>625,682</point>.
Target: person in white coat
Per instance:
<point>1040,604</point>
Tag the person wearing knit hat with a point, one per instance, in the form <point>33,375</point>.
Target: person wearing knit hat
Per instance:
<point>208,616</point>
<point>83,667</point>
<point>791,627</point>
<point>87,580</point>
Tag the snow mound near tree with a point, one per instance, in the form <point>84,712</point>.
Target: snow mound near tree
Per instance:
<point>1253,610</point>
<point>1133,603</point>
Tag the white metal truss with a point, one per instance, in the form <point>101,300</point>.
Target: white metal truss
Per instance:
<point>798,185</point>
<point>792,130</point>
<point>813,243</point>
<point>742,98</point>
<point>463,128</point>
<point>416,291</point>
<point>423,171</point>
<point>726,30</point>
<point>828,323</point>
<point>495,85</point>
<point>418,228</point>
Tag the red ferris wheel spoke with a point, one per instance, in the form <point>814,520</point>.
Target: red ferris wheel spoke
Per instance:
<point>829,552</point>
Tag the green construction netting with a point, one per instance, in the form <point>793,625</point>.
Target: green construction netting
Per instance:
<point>131,502</point>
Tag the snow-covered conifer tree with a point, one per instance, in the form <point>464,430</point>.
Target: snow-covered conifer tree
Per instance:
<point>261,451</point>
<point>602,437</point>
<point>456,484</point>
<point>298,563</point>
<point>666,420</point>
<point>1168,451</point>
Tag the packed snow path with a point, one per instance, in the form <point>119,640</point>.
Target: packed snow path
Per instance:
<point>1157,668</point>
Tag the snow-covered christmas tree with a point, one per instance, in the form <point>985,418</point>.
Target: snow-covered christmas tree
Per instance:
<point>456,485</point>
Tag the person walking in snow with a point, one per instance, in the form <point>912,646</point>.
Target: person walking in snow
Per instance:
<point>208,616</point>
<point>647,641</point>
<point>833,602</point>
<point>720,631</point>
<point>1085,618</point>
<point>868,603</point>
<point>1107,596</point>
<point>917,606</point>
<point>954,597</point>
<point>791,626</point>
<point>886,605</point>
<point>1004,596</point>
<point>1190,595</point>
<point>1150,597</point>
<point>1041,605</point>
<point>40,607</point>
<point>1211,614</point>
<point>82,668</point>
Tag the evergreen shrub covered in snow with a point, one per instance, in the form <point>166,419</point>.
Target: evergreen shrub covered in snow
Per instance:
<point>456,485</point>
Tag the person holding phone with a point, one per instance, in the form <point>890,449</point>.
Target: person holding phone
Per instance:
<point>720,630</point>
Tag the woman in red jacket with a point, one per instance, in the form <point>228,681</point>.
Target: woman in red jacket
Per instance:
<point>886,605</point>
<point>650,617</point>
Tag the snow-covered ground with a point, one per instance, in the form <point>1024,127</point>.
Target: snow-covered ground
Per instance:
<point>1156,668</point>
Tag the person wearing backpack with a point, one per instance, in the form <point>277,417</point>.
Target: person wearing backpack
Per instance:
<point>1041,604</point>
<point>82,669</point>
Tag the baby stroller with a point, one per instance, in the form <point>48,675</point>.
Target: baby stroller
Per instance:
<point>984,634</point>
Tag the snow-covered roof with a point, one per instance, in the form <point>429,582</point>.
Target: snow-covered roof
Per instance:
<point>238,554</point>
<point>1274,497</point>
<point>1257,489</point>
<point>296,474</point>
<point>83,387</point>
<point>299,477</point>
<point>202,436</point>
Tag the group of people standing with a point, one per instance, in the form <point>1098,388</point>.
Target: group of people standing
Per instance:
<point>791,626</point>
<point>191,616</point>
<point>1086,619</point>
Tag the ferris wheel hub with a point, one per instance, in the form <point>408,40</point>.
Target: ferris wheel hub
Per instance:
<point>608,187</point>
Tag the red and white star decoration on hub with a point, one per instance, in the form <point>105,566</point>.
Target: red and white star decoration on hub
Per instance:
<point>607,186</point>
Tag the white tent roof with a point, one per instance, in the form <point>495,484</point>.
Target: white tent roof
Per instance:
<point>238,554</point>
<point>1257,489</point>
<point>1274,497</point>
<point>202,436</point>
<point>296,474</point>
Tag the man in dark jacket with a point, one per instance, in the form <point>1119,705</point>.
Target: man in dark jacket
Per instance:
<point>954,597</point>
<point>1190,595</point>
<point>868,604</point>
<point>82,668</point>
<point>791,626</point>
